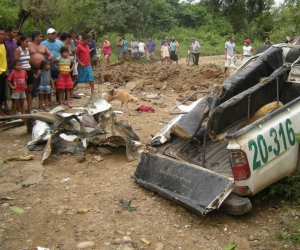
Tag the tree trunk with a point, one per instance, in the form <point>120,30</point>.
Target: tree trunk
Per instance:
<point>22,17</point>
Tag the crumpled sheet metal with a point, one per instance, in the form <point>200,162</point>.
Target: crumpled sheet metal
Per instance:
<point>73,133</point>
<point>40,134</point>
<point>117,133</point>
<point>28,119</point>
<point>56,144</point>
<point>70,134</point>
<point>96,104</point>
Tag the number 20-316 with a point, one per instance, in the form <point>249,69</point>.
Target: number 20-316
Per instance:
<point>260,147</point>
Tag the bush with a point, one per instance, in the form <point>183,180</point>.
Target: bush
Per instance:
<point>288,187</point>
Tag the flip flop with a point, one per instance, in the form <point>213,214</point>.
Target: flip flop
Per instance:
<point>69,105</point>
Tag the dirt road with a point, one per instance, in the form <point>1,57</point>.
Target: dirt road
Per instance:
<point>67,202</point>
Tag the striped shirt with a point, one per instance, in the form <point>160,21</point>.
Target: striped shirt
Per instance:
<point>24,58</point>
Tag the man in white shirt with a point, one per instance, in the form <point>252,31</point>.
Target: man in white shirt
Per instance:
<point>195,50</point>
<point>134,49</point>
<point>229,52</point>
<point>142,47</point>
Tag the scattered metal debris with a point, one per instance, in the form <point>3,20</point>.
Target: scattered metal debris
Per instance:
<point>98,125</point>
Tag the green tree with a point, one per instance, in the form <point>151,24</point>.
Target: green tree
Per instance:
<point>190,15</point>
<point>41,12</point>
<point>8,13</point>
<point>286,20</point>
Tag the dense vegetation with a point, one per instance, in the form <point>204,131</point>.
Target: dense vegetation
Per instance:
<point>210,21</point>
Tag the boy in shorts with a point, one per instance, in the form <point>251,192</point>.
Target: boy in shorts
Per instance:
<point>18,83</point>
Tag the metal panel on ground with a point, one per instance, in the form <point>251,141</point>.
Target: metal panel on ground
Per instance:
<point>196,188</point>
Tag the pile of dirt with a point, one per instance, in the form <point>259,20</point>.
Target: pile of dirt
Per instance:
<point>156,77</point>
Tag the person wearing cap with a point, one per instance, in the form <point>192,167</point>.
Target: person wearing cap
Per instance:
<point>195,48</point>
<point>54,47</point>
<point>229,52</point>
<point>247,49</point>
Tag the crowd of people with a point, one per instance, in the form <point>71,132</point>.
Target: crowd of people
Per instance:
<point>32,66</point>
<point>247,51</point>
<point>140,51</point>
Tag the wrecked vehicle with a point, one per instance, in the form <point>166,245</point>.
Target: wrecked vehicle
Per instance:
<point>73,133</point>
<point>233,142</point>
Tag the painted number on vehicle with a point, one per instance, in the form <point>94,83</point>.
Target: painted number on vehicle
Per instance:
<point>284,134</point>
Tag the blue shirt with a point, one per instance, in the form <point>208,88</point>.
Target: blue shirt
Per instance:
<point>92,44</point>
<point>150,46</point>
<point>173,46</point>
<point>163,42</point>
<point>54,48</point>
<point>133,44</point>
<point>125,45</point>
<point>44,81</point>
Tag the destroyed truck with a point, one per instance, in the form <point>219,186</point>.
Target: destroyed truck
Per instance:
<point>234,141</point>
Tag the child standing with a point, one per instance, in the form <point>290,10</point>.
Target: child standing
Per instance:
<point>165,53</point>
<point>64,81</point>
<point>45,85</point>
<point>98,53</point>
<point>18,83</point>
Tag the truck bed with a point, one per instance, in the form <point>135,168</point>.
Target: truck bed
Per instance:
<point>216,154</point>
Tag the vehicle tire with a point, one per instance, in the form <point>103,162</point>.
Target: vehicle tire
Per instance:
<point>190,60</point>
<point>235,205</point>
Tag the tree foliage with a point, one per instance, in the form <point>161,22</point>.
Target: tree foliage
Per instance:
<point>8,13</point>
<point>210,20</point>
<point>286,18</point>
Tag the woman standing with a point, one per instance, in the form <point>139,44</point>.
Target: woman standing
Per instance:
<point>247,49</point>
<point>106,51</point>
<point>22,53</point>
<point>174,45</point>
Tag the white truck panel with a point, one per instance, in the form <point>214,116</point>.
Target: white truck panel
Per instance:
<point>271,148</point>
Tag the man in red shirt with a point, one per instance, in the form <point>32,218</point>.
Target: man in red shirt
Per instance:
<point>85,72</point>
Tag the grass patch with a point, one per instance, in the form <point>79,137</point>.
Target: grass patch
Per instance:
<point>290,231</point>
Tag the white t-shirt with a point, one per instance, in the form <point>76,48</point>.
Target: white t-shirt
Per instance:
<point>230,47</point>
<point>165,51</point>
<point>142,47</point>
<point>195,47</point>
<point>247,50</point>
